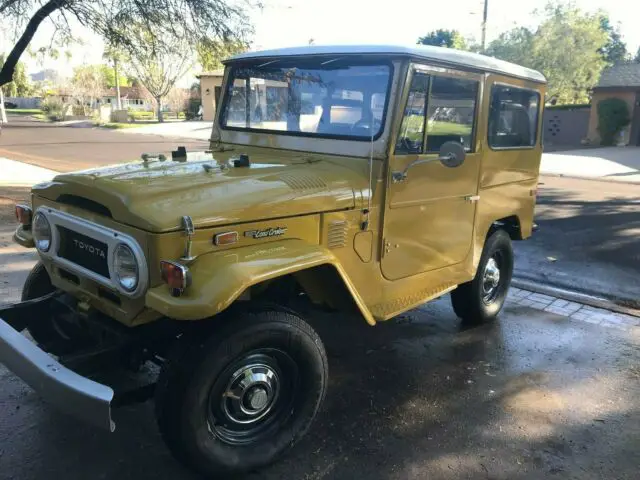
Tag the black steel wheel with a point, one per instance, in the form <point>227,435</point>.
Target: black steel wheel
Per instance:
<point>481,299</point>
<point>235,399</point>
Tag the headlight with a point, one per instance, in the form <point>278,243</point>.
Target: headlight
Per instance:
<point>41,232</point>
<point>125,267</point>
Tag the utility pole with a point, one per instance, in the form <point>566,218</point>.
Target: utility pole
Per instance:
<point>117,79</point>
<point>483,41</point>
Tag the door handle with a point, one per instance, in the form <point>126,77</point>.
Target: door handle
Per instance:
<point>472,198</point>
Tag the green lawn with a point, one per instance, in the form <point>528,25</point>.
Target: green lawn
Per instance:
<point>22,111</point>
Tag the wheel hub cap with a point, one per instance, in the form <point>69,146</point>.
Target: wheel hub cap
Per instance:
<point>250,393</point>
<point>490,279</point>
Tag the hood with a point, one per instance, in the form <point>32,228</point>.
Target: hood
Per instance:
<point>154,196</point>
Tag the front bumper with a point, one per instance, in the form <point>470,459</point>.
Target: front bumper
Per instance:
<point>79,396</point>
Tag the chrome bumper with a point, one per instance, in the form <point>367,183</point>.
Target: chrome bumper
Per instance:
<point>83,398</point>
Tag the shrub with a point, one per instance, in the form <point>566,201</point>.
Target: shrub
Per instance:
<point>613,116</point>
<point>54,108</point>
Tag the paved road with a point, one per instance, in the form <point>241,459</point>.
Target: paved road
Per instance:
<point>589,238</point>
<point>65,149</point>
<point>531,396</point>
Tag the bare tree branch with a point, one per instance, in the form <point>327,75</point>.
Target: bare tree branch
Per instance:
<point>6,74</point>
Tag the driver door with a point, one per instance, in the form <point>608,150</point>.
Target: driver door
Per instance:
<point>429,215</point>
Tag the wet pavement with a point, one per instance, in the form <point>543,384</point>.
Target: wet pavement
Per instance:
<point>533,395</point>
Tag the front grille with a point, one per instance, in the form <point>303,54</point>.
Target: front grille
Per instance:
<point>84,251</point>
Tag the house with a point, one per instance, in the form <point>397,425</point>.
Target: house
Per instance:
<point>131,98</point>
<point>623,82</point>
<point>210,87</point>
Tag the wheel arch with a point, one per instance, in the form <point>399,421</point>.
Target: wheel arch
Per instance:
<point>221,279</point>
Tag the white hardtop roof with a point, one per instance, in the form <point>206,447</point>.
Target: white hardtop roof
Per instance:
<point>439,54</point>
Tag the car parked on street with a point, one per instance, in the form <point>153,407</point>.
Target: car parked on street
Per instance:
<point>366,179</point>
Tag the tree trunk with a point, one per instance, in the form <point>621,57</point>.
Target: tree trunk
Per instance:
<point>3,113</point>
<point>115,71</point>
<point>159,104</point>
<point>9,66</point>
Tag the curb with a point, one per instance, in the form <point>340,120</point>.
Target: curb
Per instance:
<point>593,179</point>
<point>572,296</point>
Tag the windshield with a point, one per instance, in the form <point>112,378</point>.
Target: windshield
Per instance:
<point>319,97</point>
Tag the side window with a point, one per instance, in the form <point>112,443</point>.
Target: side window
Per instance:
<point>411,135</point>
<point>451,112</point>
<point>513,117</point>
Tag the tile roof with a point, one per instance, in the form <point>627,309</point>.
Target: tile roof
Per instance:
<point>623,75</point>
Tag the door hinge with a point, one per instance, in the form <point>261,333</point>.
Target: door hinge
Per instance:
<point>472,198</point>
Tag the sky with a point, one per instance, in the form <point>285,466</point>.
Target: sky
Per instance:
<point>282,23</point>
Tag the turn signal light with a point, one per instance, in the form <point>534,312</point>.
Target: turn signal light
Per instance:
<point>226,238</point>
<point>176,275</point>
<point>24,215</point>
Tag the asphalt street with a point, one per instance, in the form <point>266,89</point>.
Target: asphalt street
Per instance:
<point>530,396</point>
<point>65,148</point>
<point>588,240</point>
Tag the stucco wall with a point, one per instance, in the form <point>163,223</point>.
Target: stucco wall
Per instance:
<point>628,96</point>
<point>208,86</point>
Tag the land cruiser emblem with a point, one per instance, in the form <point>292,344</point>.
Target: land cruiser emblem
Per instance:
<point>98,252</point>
<point>267,232</point>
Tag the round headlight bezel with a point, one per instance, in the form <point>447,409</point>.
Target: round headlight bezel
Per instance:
<point>121,280</point>
<point>36,232</point>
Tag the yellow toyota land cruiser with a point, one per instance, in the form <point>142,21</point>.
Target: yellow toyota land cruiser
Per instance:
<point>364,178</point>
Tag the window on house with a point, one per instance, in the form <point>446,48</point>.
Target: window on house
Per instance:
<point>513,117</point>
<point>451,112</point>
<point>411,135</point>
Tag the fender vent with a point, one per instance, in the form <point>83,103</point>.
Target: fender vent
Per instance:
<point>337,234</point>
<point>303,182</point>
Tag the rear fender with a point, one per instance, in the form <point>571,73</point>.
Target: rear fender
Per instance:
<point>220,278</point>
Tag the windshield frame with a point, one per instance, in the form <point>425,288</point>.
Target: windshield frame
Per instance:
<point>315,59</point>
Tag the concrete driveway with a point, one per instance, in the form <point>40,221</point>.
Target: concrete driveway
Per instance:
<point>611,163</point>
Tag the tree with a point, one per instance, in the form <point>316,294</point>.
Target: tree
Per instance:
<point>615,50</point>
<point>637,57</point>
<point>613,116</point>
<point>87,86</point>
<point>565,48</point>
<point>20,86</point>
<point>162,20</point>
<point>212,52</point>
<point>444,38</point>
<point>513,46</point>
<point>159,66</point>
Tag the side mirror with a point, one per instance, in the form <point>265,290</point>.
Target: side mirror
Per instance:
<point>452,154</point>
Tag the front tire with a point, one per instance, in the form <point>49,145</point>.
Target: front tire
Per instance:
<point>236,399</point>
<point>481,299</point>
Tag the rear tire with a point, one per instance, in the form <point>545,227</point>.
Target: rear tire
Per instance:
<point>54,336</point>
<point>237,398</point>
<point>481,299</point>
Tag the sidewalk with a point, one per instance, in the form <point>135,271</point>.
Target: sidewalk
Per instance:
<point>620,164</point>
<point>18,174</point>
<point>198,130</point>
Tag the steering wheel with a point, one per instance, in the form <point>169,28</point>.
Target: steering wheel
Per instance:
<point>366,124</point>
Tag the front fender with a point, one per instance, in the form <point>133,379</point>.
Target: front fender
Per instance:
<point>219,278</point>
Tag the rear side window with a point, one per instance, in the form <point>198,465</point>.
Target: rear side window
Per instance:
<point>513,117</point>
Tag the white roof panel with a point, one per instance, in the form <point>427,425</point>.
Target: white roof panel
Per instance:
<point>439,54</point>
